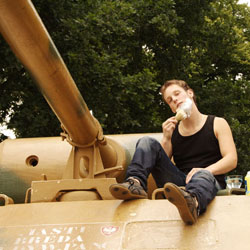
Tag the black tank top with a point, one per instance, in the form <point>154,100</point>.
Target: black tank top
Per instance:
<point>198,150</point>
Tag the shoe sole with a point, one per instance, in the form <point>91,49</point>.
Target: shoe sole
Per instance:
<point>122,193</point>
<point>175,196</point>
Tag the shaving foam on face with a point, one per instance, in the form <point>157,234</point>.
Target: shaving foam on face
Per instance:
<point>184,111</point>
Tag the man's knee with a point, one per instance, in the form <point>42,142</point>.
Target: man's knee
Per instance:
<point>203,173</point>
<point>146,140</point>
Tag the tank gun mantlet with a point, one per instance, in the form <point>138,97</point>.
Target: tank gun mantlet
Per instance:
<point>100,138</point>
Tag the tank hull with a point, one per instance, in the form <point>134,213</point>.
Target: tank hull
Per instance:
<point>114,224</point>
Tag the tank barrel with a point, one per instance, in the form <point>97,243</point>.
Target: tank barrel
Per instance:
<point>24,31</point>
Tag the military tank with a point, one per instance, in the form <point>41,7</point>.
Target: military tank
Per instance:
<point>54,191</point>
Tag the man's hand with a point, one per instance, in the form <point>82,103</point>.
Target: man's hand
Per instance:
<point>168,127</point>
<point>191,173</point>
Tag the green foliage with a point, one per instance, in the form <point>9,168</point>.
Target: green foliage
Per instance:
<point>120,53</point>
<point>234,105</point>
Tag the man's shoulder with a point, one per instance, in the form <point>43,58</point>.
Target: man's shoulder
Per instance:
<point>220,120</point>
<point>220,125</point>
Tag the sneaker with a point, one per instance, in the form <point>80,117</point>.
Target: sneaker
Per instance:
<point>184,201</point>
<point>128,190</point>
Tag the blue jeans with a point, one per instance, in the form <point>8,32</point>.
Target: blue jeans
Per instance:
<point>150,157</point>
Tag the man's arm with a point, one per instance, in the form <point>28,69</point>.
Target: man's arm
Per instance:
<point>167,146</point>
<point>227,148</point>
<point>168,127</point>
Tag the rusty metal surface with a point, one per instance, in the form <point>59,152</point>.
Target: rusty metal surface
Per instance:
<point>113,224</point>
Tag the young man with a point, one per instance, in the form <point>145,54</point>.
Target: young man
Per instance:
<point>202,148</point>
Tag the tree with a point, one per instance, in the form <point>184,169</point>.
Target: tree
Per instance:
<point>119,54</point>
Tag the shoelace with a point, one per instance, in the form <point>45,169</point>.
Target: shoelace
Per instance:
<point>131,182</point>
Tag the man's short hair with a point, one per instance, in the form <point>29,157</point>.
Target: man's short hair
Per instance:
<point>180,83</point>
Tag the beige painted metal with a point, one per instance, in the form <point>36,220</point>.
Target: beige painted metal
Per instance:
<point>114,225</point>
<point>53,190</point>
<point>7,199</point>
<point>32,159</point>
<point>92,155</point>
<point>24,31</point>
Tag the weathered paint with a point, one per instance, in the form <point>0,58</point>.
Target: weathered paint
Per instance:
<point>12,185</point>
<point>53,50</point>
<point>53,154</point>
<point>114,225</point>
<point>27,36</point>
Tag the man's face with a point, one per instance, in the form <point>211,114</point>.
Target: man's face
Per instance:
<point>174,95</point>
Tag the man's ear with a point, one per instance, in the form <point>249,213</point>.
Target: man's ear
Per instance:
<point>190,93</point>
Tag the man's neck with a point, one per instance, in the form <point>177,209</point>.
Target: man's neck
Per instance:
<point>192,124</point>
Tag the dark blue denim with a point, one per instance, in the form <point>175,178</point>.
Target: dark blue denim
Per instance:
<point>150,157</point>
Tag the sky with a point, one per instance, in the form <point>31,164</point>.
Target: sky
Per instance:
<point>7,132</point>
<point>245,1</point>
<point>10,133</point>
